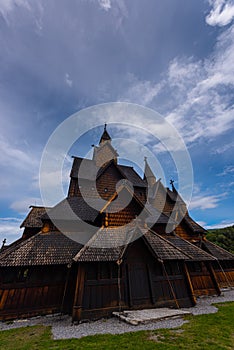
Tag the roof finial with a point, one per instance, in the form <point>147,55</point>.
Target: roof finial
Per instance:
<point>3,243</point>
<point>105,127</point>
<point>145,159</point>
<point>172,185</point>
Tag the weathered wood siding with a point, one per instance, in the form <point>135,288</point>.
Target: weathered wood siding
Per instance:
<point>144,282</point>
<point>31,291</point>
<point>224,271</point>
<point>202,279</point>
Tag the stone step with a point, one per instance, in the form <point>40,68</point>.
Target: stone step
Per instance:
<point>136,317</point>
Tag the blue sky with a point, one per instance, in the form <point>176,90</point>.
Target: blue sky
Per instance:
<point>176,57</point>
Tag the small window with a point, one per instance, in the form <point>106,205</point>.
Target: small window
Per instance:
<point>22,275</point>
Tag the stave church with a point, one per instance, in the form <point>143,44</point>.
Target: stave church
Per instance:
<point>112,244</point>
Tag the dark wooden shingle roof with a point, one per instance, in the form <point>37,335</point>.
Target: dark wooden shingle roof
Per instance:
<point>33,219</point>
<point>107,244</point>
<point>216,251</point>
<point>163,249</point>
<point>74,208</point>
<point>89,171</point>
<point>196,228</point>
<point>193,252</point>
<point>157,216</point>
<point>52,248</point>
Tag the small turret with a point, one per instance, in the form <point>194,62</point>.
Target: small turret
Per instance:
<point>148,174</point>
<point>105,152</point>
<point>105,136</point>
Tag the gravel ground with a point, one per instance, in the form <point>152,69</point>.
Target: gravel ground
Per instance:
<point>63,328</point>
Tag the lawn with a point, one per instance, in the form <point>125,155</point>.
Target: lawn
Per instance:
<point>213,331</point>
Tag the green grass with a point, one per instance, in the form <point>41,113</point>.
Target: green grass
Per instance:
<point>213,331</point>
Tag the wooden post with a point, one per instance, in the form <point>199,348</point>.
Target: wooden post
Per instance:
<point>194,301</point>
<point>213,277</point>
<point>77,306</point>
<point>129,285</point>
<point>150,285</point>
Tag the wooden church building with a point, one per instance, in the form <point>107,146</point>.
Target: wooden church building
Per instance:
<point>107,256</point>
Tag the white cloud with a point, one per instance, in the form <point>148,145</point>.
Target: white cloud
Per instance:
<point>222,12</point>
<point>68,80</point>
<point>228,169</point>
<point>203,109</point>
<point>222,224</point>
<point>201,223</point>
<point>105,4</point>
<point>7,6</point>
<point>22,206</point>
<point>224,148</point>
<point>139,91</point>
<point>203,202</point>
<point>13,156</point>
<point>196,96</point>
<point>10,229</point>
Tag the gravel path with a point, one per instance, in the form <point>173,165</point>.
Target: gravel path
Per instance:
<point>62,327</point>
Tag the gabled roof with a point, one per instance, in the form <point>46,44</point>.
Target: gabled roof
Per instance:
<point>90,171</point>
<point>158,217</point>
<point>216,251</point>
<point>33,219</point>
<point>107,244</point>
<point>163,249</point>
<point>52,248</point>
<point>105,136</point>
<point>74,208</point>
<point>132,176</point>
<point>193,252</point>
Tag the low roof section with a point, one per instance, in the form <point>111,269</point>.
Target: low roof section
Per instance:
<point>33,219</point>
<point>53,248</point>
<point>216,251</point>
<point>193,252</point>
<point>110,244</point>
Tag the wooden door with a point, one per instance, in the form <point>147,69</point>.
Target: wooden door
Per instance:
<point>139,284</point>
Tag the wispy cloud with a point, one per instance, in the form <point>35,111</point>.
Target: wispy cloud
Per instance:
<point>105,4</point>
<point>68,80</point>
<point>196,96</point>
<point>221,224</point>
<point>228,169</point>
<point>224,148</point>
<point>7,6</point>
<point>140,90</point>
<point>204,202</point>
<point>22,205</point>
<point>221,14</point>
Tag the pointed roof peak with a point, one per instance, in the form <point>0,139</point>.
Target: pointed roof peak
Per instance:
<point>105,135</point>
<point>148,173</point>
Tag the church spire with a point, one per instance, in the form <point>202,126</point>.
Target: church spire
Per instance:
<point>105,136</point>
<point>148,174</point>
